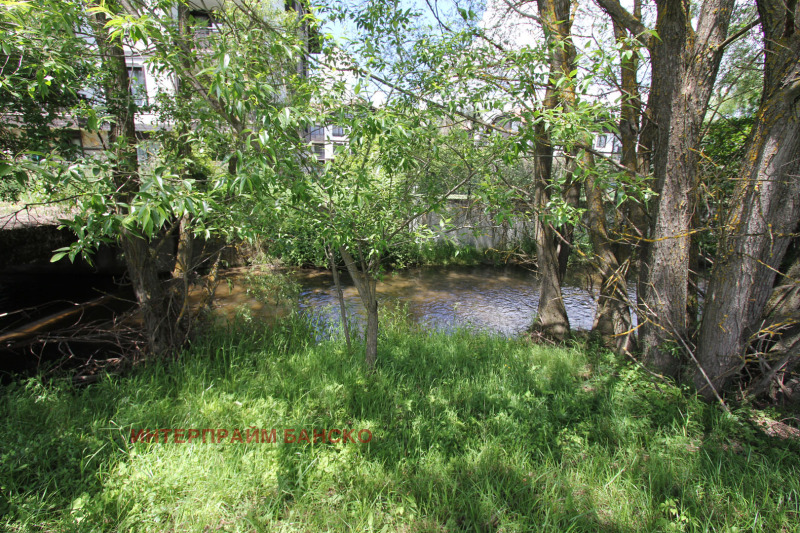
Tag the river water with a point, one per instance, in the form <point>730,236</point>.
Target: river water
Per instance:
<point>500,300</point>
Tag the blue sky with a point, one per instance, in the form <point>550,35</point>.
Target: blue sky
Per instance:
<point>445,8</point>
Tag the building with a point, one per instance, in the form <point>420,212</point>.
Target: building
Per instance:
<point>324,138</point>
<point>609,144</point>
<point>146,84</point>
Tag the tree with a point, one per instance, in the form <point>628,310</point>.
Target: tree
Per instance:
<point>685,60</point>
<point>530,99</point>
<point>551,252</point>
<point>126,180</point>
<point>236,112</point>
<point>765,208</point>
<point>229,101</point>
<point>369,199</point>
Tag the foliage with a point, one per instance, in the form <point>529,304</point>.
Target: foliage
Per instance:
<point>740,81</point>
<point>469,432</point>
<point>724,146</point>
<point>271,287</point>
<point>723,150</point>
<point>41,57</point>
<point>434,253</point>
<point>493,93</point>
<point>298,243</point>
<point>227,107</point>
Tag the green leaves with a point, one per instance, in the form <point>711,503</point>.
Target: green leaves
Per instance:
<point>467,14</point>
<point>60,254</point>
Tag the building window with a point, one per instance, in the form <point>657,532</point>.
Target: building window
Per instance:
<point>338,131</point>
<point>203,24</point>
<point>141,155</point>
<point>138,86</point>
<point>319,151</point>
<point>316,133</point>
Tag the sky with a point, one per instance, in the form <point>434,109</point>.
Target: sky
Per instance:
<point>344,32</point>
<point>591,29</point>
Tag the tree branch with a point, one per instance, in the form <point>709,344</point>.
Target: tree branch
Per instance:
<point>624,18</point>
<point>749,26</point>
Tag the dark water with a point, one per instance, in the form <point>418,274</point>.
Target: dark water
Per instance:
<point>28,297</point>
<point>501,300</point>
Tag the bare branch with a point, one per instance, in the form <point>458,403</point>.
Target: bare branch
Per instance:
<point>736,36</point>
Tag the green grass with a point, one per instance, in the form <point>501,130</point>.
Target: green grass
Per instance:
<point>436,253</point>
<point>470,433</point>
<point>446,253</point>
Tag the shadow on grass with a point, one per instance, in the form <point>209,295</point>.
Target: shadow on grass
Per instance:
<point>469,433</point>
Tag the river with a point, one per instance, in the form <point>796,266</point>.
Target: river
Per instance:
<point>499,300</point>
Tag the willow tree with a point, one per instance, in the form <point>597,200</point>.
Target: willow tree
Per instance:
<point>765,208</point>
<point>685,56</point>
<point>109,92</point>
<point>370,198</point>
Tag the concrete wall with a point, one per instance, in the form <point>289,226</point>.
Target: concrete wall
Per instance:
<point>473,226</point>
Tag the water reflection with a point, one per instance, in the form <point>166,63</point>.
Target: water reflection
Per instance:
<point>501,300</point>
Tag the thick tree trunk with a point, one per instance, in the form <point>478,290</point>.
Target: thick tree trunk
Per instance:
<point>551,317</point>
<point>139,259</point>
<point>693,278</point>
<point>685,64</point>
<point>613,316</point>
<point>552,253</point>
<point>766,207</point>
<point>149,291</point>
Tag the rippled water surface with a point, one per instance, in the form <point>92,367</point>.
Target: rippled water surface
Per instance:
<point>501,300</point>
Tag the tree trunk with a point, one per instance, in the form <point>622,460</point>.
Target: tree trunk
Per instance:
<point>766,207</point>
<point>366,286</point>
<point>613,318</point>
<point>685,65</point>
<point>613,256</point>
<point>139,259</point>
<point>552,253</point>
<point>631,227</point>
<point>147,287</point>
<point>181,276</point>
<point>371,335</point>
<point>551,317</point>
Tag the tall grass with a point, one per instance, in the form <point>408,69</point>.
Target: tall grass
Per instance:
<point>469,433</point>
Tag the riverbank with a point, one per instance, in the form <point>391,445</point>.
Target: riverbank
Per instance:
<point>465,432</point>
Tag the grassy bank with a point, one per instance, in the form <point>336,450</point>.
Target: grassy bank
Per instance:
<point>469,432</point>
<point>297,252</point>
